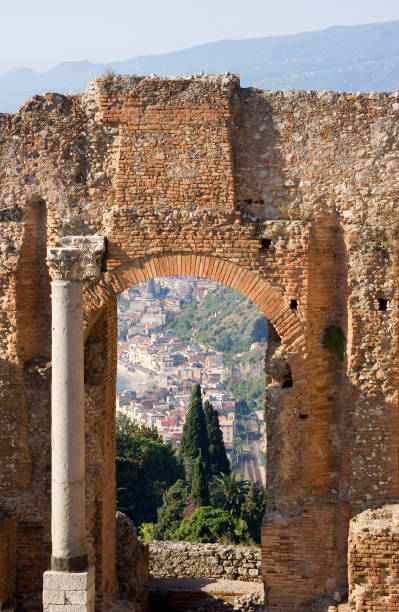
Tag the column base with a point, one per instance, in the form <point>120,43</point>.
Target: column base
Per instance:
<point>69,591</point>
<point>70,564</point>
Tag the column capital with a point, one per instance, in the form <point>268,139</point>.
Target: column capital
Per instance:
<point>76,258</point>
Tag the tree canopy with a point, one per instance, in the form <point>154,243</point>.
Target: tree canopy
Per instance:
<point>259,330</point>
<point>206,524</point>
<point>149,478</point>
<point>172,511</point>
<point>228,492</point>
<point>145,469</point>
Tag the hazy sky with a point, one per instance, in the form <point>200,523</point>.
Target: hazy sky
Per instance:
<point>41,33</point>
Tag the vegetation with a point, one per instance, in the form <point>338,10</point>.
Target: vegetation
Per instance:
<point>206,524</point>
<point>194,439</point>
<point>145,469</point>
<point>259,330</point>
<point>217,452</point>
<point>108,79</point>
<point>252,391</point>
<point>172,511</point>
<point>226,321</point>
<point>334,340</point>
<point>253,509</point>
<point>228,493</point>
<point>146,531</point>
<point>199,486</point>
<point>205,504</point>
<point>381,246</point>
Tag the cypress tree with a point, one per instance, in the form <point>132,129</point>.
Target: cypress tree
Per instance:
<point>199,487</point>
<point>194,438</point>
<point>217,451</point>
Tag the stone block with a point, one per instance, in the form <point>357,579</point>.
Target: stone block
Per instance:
<point>53,596</point>
<point>80,597</point>
<point>70,608</point>
<point>69,591</point>
<point>68,581</point>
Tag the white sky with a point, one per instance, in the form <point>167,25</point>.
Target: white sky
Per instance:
<point>41,33</point>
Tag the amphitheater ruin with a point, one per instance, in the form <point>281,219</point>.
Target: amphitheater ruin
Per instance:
<point>290,198</point>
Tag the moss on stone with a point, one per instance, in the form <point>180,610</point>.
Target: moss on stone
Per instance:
<point>334,340</point>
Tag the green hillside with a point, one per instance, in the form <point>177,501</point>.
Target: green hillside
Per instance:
<point>223,320</point>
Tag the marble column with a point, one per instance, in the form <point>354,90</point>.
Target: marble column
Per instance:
<point>77,259</point>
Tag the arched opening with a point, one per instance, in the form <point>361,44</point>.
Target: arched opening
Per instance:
<point>101,330</point>
<point>174,333</point>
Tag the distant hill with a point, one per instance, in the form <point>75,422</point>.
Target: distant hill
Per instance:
<point>340,58</point>
<point>224,320</point>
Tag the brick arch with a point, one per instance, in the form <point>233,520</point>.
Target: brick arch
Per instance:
<point>267,298</point>
<point>100,321</point>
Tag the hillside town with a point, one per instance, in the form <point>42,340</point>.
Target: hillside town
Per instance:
<point>157,371</point>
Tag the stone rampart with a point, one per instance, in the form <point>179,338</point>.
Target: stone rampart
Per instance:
<point>183,559</point>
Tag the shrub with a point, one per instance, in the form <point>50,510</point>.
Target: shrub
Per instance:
<point>176,505</point>
<point>146,531</point>
<point>206,524</point>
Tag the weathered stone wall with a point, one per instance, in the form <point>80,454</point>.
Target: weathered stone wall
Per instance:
<point>183,559</point>
<point>280,195</point>
<point>132,563</point>
<point>374,560</point>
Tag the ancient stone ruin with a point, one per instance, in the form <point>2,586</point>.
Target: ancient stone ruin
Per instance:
<point>290,198</point>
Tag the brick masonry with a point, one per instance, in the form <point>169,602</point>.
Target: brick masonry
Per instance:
<point>280,195</point>
<point>374,560</point>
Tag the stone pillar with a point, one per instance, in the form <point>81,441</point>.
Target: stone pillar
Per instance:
<point>76,260</point>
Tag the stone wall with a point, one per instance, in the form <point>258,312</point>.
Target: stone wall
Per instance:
<point>183,559</point>
<point>132,562</point>
<point>281,195</point>
<point>374,560</point>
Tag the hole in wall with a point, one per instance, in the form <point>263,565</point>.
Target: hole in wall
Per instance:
<point>303,417</point>
<point>287,381</point>
<point>265,243</point>
<point>382,304</point>
<point>294,304</point>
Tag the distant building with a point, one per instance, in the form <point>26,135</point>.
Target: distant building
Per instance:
<point>124,398</point>
<point>214,362</point>
<point>227,427</point>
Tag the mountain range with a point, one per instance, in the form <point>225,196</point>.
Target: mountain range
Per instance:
<point>340,58</point>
